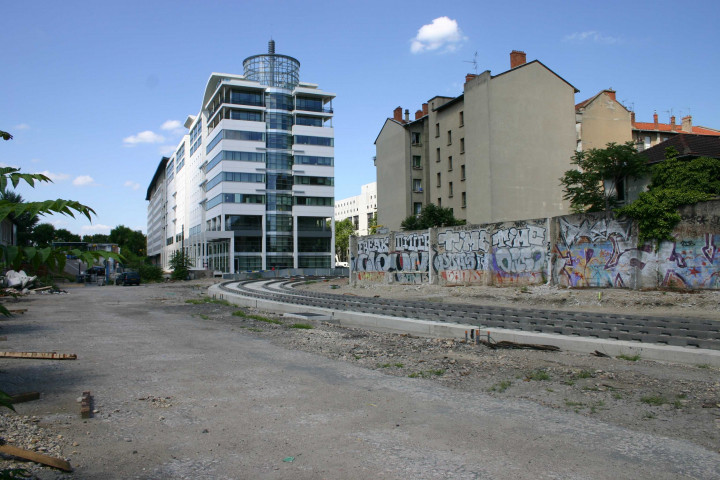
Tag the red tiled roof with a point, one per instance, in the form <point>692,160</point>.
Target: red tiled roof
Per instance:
<point>666,127</point>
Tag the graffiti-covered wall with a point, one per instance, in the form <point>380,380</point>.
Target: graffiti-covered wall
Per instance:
<point>588,250</point>
<point>497,254</point>
<point>402,257</point>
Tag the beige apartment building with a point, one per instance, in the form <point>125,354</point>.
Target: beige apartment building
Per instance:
<point>601,119</point>
<point>494,153</point>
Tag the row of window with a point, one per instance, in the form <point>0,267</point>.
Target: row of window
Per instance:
<point>235,177</point>
<point>276,140</point>
<point>277,201</point>
<point>196,136</point>
<point>235,135</point>
<point>274,160</point>
<point>279,101</point>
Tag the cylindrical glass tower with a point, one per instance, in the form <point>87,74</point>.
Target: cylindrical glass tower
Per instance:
<point>273,70</point>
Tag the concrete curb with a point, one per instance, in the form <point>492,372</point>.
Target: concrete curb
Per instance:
<point>426,328</point>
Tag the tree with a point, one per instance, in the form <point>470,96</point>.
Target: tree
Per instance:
<point>43,235</point>
<point>180,263</point>
<point>343,230</point>
<point>130,240</point>
<point>674,183</point>
<point>431,216</point>
<point>372,224</point>
<point>594,186</point>
<point>63,235</point>
<point>96,238</point>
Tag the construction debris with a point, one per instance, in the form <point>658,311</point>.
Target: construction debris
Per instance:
<point>58,463</point>
<point>19,280</point>
<point>39,355</point>
<point>85,405</point>
<point>24,397</point>
<point>514,345</point>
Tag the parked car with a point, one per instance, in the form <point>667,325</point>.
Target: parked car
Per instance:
<point>128,278</point>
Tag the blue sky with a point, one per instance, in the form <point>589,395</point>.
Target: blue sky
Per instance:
<point>93,91</point>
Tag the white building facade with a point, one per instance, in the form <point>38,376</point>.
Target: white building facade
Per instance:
<point>360,208</point>
<point>251,185</point>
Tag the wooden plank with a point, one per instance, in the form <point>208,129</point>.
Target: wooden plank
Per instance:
<point>17,310</point>
<point>40,355</point>
<point>24,397</point>
<point>85,405</point>
<point>58,463</point>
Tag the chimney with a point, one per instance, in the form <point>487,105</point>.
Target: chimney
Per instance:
<point>425,108</point>
<point>632,118</point>
<point>687,124</point>
<point>407,115</point>
<point>397,114</point>
<point>517,58</point>
<point>655,120</point>
<point>469,77</point>
<point>672,123</point>
<point>418,114</point>
<point>611,93</point>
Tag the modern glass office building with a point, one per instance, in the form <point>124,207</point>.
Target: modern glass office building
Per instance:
<point>251,185</point>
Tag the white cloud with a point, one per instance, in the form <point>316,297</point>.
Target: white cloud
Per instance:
<point>171,125</point>
<point>131,184</point>
<point>99,228</point>
<point>592,36</point>
<point>147,136</point>
<point>55,177</point>
<point>22,126</point>
<point>442,34</point>
<point>83,180</point>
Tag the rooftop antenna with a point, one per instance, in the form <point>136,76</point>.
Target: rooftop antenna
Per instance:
<point>474,62</point>
<point>628,103</point>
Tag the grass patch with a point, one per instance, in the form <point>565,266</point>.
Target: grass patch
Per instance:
<point>704,365</point>
<point>203,316</point>
<point>388,365</point>
<point>649,415</point>
<point>501,387</point>
<point>617,396</point>
<point>539,375</point>
<point>569,403</point>
<point>309,282</point>
<point>629,358</point>
<point>591,389</point>
<point>253,329</point>
<point>204,300</point>
<point>584,374</point>
<point>549,390</point>
<point>653,400</point>
<point>302,326</point>
<point>569,382</point>
<point>259,318</point>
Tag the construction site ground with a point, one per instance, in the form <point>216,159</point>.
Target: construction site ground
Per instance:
<point>148,416</point>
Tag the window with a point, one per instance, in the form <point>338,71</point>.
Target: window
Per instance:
<point>462,172</point>
<point>417,207</point>
<point>463,201</point>
<point>439,202</point>
<point>439,183</point>
<point>417,161</point>
<point>308,140</point>
<point>415,137</point>
<point>309,160</point>
<point>450,166</point>
<point>462,145</point>
<point>621,190</point>
<point>450,189</point>
<point>417,185</point>
<point>437,130</point>
<point>437,157</point>
<point>462,118</point>
<point>449,137</point>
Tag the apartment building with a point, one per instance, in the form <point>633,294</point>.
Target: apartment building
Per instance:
<point>602,119</point>
<point>494,153</point>
<point>251,184</point>
<point>360,208</point>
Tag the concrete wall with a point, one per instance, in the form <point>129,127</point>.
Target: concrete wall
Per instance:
<point>393,162</point>
<point>587,250</point>
<point>604,120</point>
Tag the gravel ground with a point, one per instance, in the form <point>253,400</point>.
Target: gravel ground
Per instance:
<point>675,401</point>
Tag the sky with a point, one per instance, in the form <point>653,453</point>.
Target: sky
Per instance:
<point>96,92</point>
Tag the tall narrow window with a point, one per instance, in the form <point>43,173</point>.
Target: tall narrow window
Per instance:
<point>450,165</point>
<point>417,185</point>
<point>437,156</point>
<point>415,136</point>
<point>463,200</point>
<point>449,137</point>
<point>462,145</point>
<point>462,118</point>
<point>437,130</point>
<point>450,189</point>
<point>439,180</point>
<point>439,202</point>
<point>416,161</point>
<point>417,207</point>
<point>462,172</point>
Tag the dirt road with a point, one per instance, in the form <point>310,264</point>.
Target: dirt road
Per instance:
<point>192,391</point>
